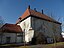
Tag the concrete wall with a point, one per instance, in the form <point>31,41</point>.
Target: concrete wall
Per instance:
<point>0,39</point>
<point>11,35</point>
<point>14,38</point>
<point>49,29</point>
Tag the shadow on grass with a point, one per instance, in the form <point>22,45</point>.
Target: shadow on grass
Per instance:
<point>12,45</point>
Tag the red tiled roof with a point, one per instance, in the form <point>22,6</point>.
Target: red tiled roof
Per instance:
<point>34,13</point>
<point>11,28</point>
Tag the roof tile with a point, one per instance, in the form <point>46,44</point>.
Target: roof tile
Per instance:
<point>11,28</point>
<point>34,13</point>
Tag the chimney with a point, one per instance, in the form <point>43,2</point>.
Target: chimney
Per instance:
<point>35,9</point>
<point>42,11</point>
<point>29,7</point>
<point>20,18</point>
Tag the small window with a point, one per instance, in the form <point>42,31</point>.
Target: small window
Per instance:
<point>19,34</point>
<point>44,29</point>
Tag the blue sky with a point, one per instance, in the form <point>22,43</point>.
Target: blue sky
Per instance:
<point>11,10</point>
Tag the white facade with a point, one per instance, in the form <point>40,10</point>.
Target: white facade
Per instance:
<point>62,34</point>
<point>26,25</point>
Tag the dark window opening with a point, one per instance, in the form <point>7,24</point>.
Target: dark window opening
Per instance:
<point>7,39</point>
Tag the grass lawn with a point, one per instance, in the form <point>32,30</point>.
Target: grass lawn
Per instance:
<point>55,45</point>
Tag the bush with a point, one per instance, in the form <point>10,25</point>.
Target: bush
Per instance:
<point>38,38</point>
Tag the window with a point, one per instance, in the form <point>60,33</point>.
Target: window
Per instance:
<point>44,29</point>
<point>19,34</point>
<point>19,37</point>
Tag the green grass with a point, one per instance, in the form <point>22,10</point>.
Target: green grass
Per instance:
<point>55,45</point>
<point>7,45</point>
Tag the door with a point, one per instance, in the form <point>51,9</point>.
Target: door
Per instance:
<point>7,39</point>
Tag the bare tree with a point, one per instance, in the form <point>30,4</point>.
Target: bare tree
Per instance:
<point>1,24</point>
<point>1,21</point>
<point>60,19</point>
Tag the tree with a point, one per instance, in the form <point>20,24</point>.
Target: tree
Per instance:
<point>1,21</point>
<point>38,38</point>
